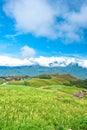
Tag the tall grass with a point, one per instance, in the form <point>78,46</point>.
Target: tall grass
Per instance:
<point>27,108</point>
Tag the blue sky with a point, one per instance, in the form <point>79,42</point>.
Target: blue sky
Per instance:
<point>34,28</point>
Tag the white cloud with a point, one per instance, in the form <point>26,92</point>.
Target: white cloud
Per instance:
<point>33,16</point>
<point>68,32</point>
<point>75,23</point>
<point>52,19</point>
<point>38,17</point>
<point>43,61</point>
<point>79,18</point>
<point>10,61</point>
<point>27,52</point>
<point>58,61</point>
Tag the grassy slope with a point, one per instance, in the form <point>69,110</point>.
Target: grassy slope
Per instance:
<point>56,79</point>
<point>48,108</point>
<point>37,82</point>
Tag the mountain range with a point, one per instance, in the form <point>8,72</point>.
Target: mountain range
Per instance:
<point>34,70</point>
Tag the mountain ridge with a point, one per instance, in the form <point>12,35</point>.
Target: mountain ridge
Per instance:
<point>34,70</point>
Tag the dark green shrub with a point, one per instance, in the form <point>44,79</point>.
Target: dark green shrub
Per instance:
<point>79,83</point>
<point>26,83</point>
<point>45,76</point>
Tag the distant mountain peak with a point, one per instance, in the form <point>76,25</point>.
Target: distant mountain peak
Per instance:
<point>34,70</point>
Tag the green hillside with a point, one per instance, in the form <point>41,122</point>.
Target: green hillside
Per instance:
<point>46,79</point>
<point>49,108</point>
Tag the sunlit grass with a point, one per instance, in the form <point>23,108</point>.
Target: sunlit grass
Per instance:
<point>28,108</point>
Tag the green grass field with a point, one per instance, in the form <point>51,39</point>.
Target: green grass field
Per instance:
<point>48,108</point>
<point>37,82</point>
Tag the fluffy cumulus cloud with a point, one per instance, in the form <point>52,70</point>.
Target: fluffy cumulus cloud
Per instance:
<point>43,61</point>
<point>33,16</point>
<point>64,19</point>
<point>27,52</point>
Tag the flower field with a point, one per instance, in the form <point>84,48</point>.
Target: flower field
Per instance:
<point>29,108</point>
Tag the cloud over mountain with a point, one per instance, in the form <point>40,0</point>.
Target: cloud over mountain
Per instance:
<point>43,61</point>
